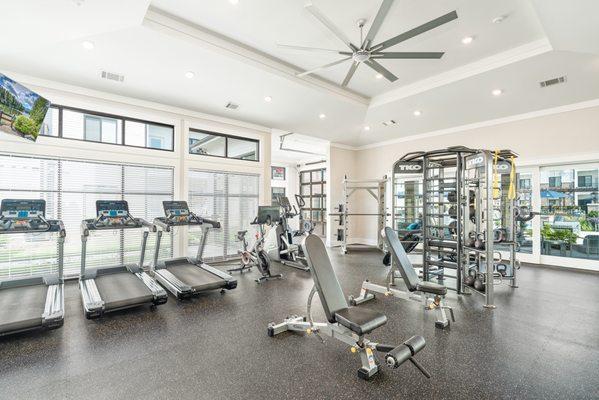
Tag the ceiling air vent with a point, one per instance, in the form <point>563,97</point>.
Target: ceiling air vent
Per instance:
<point>554,81</point>
<point>232,106</point>
<point>390,122</point>
<point>112,76</point>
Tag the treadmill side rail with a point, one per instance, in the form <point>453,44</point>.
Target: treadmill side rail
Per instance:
<point>160,296</point>
<point>172,283</point>
<point>92,301</point>
<point>53,315</point>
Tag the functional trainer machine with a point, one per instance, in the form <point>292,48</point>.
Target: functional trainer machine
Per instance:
<point>418,290</point>
<point>257,257</point>
<point>375,188</point>
<point>468,206</point>
<point>112,288</point>
<point>33,302</point>
<point>279,240</point>
<point>345,323</point>
<point>183,276</point>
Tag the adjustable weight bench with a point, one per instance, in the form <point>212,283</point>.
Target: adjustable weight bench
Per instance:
<point>345,323</point>
<point>417,290</point>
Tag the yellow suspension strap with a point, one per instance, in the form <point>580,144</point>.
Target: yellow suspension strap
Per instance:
<point>511,194</point>
<point>496,189</point>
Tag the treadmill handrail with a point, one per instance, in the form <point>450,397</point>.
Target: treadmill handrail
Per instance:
<point>53,225</point>
<point>90,225</point>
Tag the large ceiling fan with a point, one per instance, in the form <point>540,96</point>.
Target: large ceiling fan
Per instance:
<point>367,53</point>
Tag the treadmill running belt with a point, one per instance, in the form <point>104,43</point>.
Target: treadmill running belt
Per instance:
<point>22,307</point>
<point>122,289</point>
<point>198,278</point>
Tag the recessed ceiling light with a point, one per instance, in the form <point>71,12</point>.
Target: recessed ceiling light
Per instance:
<point>189,74</point>
<point>467,39</point>
<point>366,128</point>
<point>233,1</point>
<point>497,92</point>
<point>322,116</point>
<point>499,19</point>
<point>417,113</point>
<point>379,76</point>
<point>268,99</point>
<point>87,45</point>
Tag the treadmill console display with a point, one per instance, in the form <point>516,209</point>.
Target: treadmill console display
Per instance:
<point>113,213</point>
<point>23,215</point>
<point>177,212</point>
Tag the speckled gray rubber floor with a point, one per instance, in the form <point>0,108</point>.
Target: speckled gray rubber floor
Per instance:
<point>541,342</point>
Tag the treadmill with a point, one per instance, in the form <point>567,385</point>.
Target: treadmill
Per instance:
<point>112,288</point>
<point>34,302</point>
<point>183,276</point>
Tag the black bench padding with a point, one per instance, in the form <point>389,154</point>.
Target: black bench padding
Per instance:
<point>431,287</point>
<point>360,320</point>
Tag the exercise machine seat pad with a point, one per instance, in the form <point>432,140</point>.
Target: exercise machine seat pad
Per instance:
<point>360,320</point>
<point>324,277</point>
<point>407,271</point>
<point>22,307</point>
<point>431,287</point>
<point>122,289</point>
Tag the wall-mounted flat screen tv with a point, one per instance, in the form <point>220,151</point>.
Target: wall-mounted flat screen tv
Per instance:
<point>22,111</point>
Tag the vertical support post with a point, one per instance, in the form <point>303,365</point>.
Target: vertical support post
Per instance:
<point>144,242</point>
<point>459,224</point>
<point>61,240</point>
<point>489,295</point>
<point>425,227</point>
<point>157,249</point>
<point>200,255</point>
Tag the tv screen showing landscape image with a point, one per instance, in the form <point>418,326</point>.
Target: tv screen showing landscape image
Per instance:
<point>22,111</point>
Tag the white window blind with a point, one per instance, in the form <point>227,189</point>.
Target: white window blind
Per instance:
<point>230,198</point>
<point>71,189</point>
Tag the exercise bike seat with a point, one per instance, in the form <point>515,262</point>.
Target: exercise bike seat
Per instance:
<point>431,287</point>
<point>241,233</point>
<point>360,320</point>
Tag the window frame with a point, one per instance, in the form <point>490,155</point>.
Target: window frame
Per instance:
<point>322,183</point>
<point>227,137</point>
<point>101,115</point>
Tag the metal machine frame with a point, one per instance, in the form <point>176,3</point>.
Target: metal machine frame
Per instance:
<point>468,174</point>
<point>93,304</point>
<point>376,188</point>
<point>53,314</point>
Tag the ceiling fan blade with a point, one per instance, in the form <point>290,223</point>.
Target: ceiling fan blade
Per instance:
<point>350,73</point>
<point>407,55</point>
<point>381,70</point>
<point>322,67</point>
<point>313,49</point>
<point>329,24</point>
<point>416,31</point>
<point>376,24</point>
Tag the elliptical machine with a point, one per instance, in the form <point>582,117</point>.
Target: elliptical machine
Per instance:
<point>257,257</point>
<point>279,240</point>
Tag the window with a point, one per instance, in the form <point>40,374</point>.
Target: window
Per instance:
<point>569,214</point>
<point>585,181</point>
<point>71,189</point>
<point>555,181</point>
<point>71,123</point>
<point>313,189</point>
<point>219,145</point>
<point>230,198</point>
<point>524,183</point>
<point>276,192</point>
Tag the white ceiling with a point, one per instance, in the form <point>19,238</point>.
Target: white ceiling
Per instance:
<point>233,51</point>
